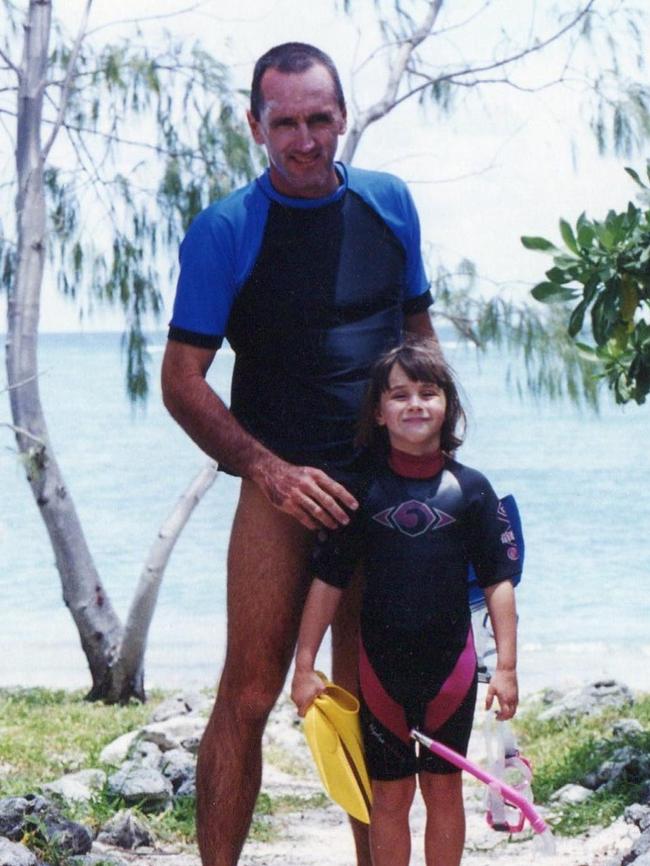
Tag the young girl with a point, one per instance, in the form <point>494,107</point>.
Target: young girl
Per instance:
<point>422,519</point>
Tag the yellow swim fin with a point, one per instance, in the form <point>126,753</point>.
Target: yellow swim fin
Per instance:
<point>334,736</point>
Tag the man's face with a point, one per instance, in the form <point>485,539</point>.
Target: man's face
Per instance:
<point>299,126</point>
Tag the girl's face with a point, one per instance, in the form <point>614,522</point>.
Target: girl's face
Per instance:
<point>412,412</point>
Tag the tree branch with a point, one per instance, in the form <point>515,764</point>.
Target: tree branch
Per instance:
<point>390,100</point>
<point>387,102</point>
<point>10,64</point>
<point>67,84</point>
<point>158,17</point>
<point>476,70</point>
<point>20,431</point>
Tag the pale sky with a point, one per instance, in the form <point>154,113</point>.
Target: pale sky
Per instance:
<point>504,164</point>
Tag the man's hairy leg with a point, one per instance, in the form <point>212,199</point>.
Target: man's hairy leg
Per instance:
<point>345,665</point>
<point>267,583</point>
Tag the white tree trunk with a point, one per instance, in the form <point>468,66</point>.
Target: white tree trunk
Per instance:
<point>98,626</point>
<point>127,676</point>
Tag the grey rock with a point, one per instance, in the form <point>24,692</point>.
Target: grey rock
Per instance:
<point>178,766</point>
<point>180,705</point>
<point>16,811</point>
<point>627,728</point>
<point>643,860</point>
<point>145,753</point>
<point>117,751</point>
<point>77,787</point>
<point>589,701</point>
<point>12,816</point>
<point>639,815</point>
<point>590,781</point>
<point>125,831</point>
<point>640,848</point>
<point>187,789</point>
<point>142,786</point>
<point>180,732</point>
<point>14,854</point>
<point>68,837</point>
<point>572,794</point>
<point>628,764</point>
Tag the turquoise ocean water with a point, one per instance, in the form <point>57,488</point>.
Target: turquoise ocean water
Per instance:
<point>582,483</point>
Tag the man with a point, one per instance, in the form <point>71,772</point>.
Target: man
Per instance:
<point>310,272</point>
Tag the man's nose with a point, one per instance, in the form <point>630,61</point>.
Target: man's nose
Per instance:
<point>304,138</point>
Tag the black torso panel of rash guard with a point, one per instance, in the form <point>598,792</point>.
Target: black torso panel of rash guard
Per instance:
<point>323,301</point>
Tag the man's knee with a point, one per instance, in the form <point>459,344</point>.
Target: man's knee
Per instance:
<point>249,700</point>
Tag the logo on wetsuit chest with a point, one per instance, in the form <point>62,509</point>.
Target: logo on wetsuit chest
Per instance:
<point>413,517</point>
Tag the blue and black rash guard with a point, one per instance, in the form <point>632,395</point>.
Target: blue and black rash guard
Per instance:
<point>308,292</point>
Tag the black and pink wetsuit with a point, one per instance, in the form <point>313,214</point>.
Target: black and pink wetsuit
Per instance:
<point>420,523</point>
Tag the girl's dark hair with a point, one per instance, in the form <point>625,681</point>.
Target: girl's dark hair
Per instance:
<point>422,361</point>
<point>292,57</point>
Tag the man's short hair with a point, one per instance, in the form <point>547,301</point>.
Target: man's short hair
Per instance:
<point>292,57</point>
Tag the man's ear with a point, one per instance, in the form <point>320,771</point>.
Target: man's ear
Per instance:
<point>344,123</point>
<point>255,128</point>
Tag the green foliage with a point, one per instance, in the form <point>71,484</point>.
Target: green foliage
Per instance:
<point>149,137</point>
<point>552,365</point>
<point>605,271</point>
<point>564,751</point>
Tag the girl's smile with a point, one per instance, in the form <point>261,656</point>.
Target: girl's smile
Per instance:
<point>413,413</point>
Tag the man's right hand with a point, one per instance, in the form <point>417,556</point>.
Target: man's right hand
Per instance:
<point>309,495</point>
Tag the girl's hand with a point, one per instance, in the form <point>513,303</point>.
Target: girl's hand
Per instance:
<point>305,688</point>
<point>503,687</point>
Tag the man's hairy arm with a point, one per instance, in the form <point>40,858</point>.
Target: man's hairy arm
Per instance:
<point>304,492</point>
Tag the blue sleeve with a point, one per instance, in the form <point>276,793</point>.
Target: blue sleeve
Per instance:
<point>216,256</point>
<point>417,282</point>
<point>390,198</point>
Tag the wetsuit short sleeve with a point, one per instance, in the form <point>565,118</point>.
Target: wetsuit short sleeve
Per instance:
<point>335,554</point>
<point>489,537</point>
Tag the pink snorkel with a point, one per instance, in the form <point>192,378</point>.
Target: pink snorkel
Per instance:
<point>510,795</point>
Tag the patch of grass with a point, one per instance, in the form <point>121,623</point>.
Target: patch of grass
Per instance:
<point>564,751</point>
<point>175,825</point>
<point>45,733</point>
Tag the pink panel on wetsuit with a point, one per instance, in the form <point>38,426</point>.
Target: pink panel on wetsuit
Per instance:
<point>451,695</point>
<point>453,690</point>
<point>381,705</point>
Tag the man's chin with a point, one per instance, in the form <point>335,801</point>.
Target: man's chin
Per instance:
<point>306,184</point>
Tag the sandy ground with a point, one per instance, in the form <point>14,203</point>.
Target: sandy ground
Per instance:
<point>321,837</point>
